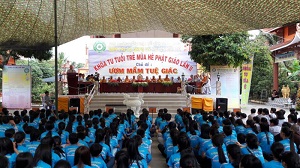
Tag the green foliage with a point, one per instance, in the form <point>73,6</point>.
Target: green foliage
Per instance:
<point>223,49</point>
<point>39,70</point>
<point>262,74</point>
<point>289,76</point>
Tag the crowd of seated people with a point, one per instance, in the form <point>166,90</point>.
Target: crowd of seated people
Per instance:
<point>42,139</point>
<point>104,139</point>
<point>140,78</point>
<point>230,140</point>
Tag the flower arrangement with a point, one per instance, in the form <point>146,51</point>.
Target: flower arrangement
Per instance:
<point>136,84</point>
<point>113,82</point>
<point>167,83</point>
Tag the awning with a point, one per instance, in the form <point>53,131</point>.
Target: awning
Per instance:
<point>29,24</point>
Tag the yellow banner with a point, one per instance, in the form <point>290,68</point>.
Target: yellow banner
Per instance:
<point>246,81</point>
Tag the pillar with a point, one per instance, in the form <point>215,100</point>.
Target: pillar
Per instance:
<point>275,76</point>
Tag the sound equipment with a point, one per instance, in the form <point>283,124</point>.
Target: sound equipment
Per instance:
<point>75,102</point>
<point>221,104</point>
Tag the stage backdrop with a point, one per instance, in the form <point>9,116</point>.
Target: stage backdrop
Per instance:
<point>16,85</point>
<point>119,57</point>
<point>230,84</point>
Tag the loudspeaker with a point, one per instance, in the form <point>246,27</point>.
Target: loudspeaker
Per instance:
<point>75,102</point>
<point>221,104</point>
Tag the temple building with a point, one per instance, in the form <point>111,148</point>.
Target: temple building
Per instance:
<point>285,48</point>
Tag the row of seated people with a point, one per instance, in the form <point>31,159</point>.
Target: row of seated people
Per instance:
<point>229,140</point>
<point>99,140</point>
<point>92,78</point>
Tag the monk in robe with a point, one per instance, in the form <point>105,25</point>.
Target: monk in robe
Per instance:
<point>103,80</point>
<point>127,80</point>
<point>133,79</point>
<point>159,80</point>
<point>147,79</point>
<point>119,79</point>
<point>167,79</point>
<point>153,80</point>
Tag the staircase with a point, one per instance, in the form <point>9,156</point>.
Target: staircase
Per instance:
<point>171,101</point>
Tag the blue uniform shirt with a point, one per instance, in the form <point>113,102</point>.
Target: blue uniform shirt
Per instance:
<point>272,164</point>
<point>174,161</point>
<point>142,164</point>
<point>286,144</point>
<point>263,141</point>
<point>214,156</point>
<point>98,162</point>
<point>256,152</point>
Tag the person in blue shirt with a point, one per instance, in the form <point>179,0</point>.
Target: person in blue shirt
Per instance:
<point>250,128</point>
<point>234,155</point>
<point>8,150</point>
<point>20,139</point>
<point>290,160</point>
<point>122,159</point>
<point>218,153</point>
<point>188,161</point>
<point>229,138</point>
<point>96,159</point>
<point>57,148</point>
<point>49,126</point>
<point>287,141</point>
<point>34,141</point>
<point>277,149</point>
<point>265,139</point>
<point>106,151</point>
<point>5,125</point>
<point>184,148</point>
<point>10,133</point>
<point>62,164</point>
<point>193,135</point>
<point>82,157</point>
<point>135,158</point>
<point>70,150</point>
<point>249,161</point>
<point>42,157</point>
<point>144,152</point>
<point>208,144</point>
<point>62,133</point>
<point>204,138</point>
<point>24,160</point>
<point>239,126</point>
<point>19,125</point>
<point>159,118</point>
<point>253,148</point>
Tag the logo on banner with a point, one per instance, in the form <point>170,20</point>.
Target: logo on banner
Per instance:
<point>99,46</point>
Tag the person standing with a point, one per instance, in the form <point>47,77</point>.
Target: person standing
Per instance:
<point>71,70</point>
<point>47,101</point>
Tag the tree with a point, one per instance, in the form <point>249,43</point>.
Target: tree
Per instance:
<point>262,78</point>
<point>222,49</point>
<point>44,54</point>
<point>39,70</point>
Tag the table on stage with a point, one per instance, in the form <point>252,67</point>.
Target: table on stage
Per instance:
<point>85,87</point>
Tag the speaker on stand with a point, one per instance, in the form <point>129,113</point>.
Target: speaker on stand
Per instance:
<point>221,104</point>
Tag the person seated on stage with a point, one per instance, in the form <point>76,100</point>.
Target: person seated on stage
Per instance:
<point>153,80</point>
<point>96,76</point>
<point>167,79</point>
<point>110,79</point>
<point>71,70</point>
<point>140,78</point>
<point>191,78</point>
<point>127,80</point>
<point>133,79</point>
<point>159,80</point>
<point>103,80</point>
<point>173,79</point>
<point>119,79</point>
<point>147,79</point>
<point>274,95</point>
<point>81,77</point>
